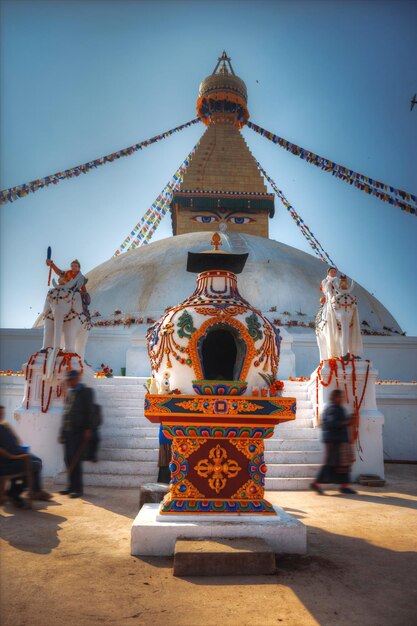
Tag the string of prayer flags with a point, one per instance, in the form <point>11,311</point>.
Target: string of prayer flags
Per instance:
<point>309,236</point>
<point>143,231</point>
<point>20,191</point>
<point>397,197</point>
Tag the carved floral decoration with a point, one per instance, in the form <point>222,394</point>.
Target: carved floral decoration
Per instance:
<point>254,327</point>
<point>185,326</point>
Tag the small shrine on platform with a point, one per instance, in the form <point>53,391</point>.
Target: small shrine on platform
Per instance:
<point>207,354</point>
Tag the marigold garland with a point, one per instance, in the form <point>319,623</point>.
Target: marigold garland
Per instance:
<point>65,362</point>
<point>333,365</point>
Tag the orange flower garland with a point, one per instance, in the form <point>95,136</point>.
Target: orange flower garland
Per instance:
<point>65,362</point>
<point>334,372</point>
<point>276,387</point>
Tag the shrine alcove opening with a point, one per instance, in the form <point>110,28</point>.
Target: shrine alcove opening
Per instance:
<point>222,352</point>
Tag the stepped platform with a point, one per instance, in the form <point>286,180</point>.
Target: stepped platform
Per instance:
<point>128,455</point>
<point>153,534</point>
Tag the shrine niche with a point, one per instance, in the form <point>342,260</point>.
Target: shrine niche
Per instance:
<point>206,355</point>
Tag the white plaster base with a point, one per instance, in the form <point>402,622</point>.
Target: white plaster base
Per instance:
<point>40,431</point>
<point>155,535</point>
<point>286,366</point>
<point>370,455</point>
<point>137,359</point>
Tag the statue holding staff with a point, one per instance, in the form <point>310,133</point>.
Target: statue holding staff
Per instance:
<point>67,319</point>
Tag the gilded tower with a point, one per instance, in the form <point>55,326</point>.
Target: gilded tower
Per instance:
<point>222,187</point>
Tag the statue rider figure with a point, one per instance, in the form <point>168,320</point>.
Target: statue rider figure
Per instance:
<point>66,315</point>
<point>337,324</point>
<point>65,276</point>
<point>328,287</point>
<point>329,284</point>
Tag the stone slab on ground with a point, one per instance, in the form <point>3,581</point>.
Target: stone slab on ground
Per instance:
<point>247,556</point>
<point>371,480</point>
<point>153,534</point>
<point>152,492</point>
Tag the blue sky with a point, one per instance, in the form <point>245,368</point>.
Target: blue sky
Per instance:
<point>80,79</point>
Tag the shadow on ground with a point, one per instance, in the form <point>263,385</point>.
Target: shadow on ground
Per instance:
<point>31,530</point>
<point>121,501</point>
<point>343,580</point>
<point>359,571</point>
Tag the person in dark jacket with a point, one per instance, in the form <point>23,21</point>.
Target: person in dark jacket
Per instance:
<point>76,431</point>
<point>164,458</point>
<point>94,442</point>
<point>336,437</point>
<point>10,443</point>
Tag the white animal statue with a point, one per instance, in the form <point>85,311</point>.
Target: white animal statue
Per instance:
<point>66,324</point>
<point>337,323</point>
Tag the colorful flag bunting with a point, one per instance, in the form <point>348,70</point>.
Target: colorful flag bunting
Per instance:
<point>153,216</point>
<point>364,183</point>
<point>20,191</point>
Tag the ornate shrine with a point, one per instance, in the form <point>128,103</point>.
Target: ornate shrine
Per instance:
<point>206,356</point>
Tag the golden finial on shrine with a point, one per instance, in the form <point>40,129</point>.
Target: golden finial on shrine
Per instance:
<point>216,241</point>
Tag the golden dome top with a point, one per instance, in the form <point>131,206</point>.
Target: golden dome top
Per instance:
<point>223,81</point>
<point>222,96</point>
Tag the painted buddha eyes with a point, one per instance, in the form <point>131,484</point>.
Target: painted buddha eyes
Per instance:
<point>209,219</point>
<point>205,219</point>
<point>240,220</point>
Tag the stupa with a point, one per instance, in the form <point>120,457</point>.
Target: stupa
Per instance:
<point>224,191</point>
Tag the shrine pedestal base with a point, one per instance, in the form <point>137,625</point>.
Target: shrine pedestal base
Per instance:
<point>217,464</point>
<point>153,534</point>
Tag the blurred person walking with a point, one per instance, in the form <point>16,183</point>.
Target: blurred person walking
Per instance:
<point>339,457</point>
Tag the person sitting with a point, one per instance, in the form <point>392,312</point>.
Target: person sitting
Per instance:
<point>10,443</point>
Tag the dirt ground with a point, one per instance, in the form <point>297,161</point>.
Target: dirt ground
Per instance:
<point>67,563</point>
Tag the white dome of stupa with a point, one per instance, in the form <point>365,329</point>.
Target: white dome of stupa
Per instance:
<point>279,280</point>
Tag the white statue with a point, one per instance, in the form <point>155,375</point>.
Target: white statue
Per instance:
<point>337,324</point>
<point>67,320</point>
<point>153,386</point>
<point>165,386</point>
